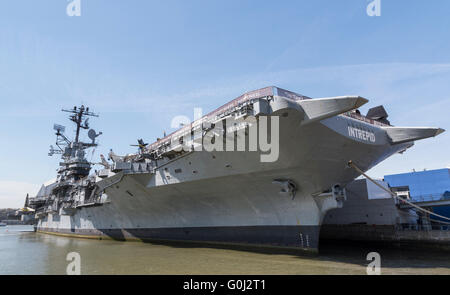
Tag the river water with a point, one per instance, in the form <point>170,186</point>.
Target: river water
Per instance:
<point>24,252</point>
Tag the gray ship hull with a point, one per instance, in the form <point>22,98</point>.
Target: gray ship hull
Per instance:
<point>234,197</point>
<point>245,207</point>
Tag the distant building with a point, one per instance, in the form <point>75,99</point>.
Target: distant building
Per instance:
<point>421,186</point>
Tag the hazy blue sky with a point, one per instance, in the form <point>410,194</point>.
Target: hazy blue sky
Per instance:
<point>140,63</point>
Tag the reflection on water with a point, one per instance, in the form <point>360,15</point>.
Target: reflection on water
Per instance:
<point>24,252</point>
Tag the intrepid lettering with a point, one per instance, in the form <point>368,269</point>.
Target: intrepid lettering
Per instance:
<point>361,134</point>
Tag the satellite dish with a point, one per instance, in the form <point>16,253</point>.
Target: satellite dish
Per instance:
<point>92,134</point>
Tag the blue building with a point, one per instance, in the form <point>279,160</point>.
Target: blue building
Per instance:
<point>425,185</point>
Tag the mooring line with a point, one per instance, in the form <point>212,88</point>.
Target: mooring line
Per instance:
<point>351,164</point>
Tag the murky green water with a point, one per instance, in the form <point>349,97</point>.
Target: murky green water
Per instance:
<point>24,252</point>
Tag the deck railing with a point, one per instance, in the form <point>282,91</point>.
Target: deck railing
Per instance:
<point>429,197</point>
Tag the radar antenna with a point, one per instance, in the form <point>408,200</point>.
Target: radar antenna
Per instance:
<point>61,140</point>
<point>78,116</point>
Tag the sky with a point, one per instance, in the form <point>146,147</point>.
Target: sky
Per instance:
<point>140,63</point>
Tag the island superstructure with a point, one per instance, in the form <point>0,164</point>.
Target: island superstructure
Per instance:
<point>262,169</point>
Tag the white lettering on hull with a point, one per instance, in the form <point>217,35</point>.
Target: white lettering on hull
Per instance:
<point>361,134</point>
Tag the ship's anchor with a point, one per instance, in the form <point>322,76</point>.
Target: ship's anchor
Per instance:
<point>288,187</point>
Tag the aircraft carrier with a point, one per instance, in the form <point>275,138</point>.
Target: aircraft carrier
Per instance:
<point>262,169</point>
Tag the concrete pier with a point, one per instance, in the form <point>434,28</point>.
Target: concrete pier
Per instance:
<point>414,237</point>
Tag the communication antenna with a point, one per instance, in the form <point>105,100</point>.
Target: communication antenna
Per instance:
<point>78,116</point>
<point>93,135</point>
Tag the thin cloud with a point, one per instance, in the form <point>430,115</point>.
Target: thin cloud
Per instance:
<point>384,82</point>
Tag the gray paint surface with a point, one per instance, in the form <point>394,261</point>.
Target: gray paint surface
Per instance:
<point>233,192</point>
